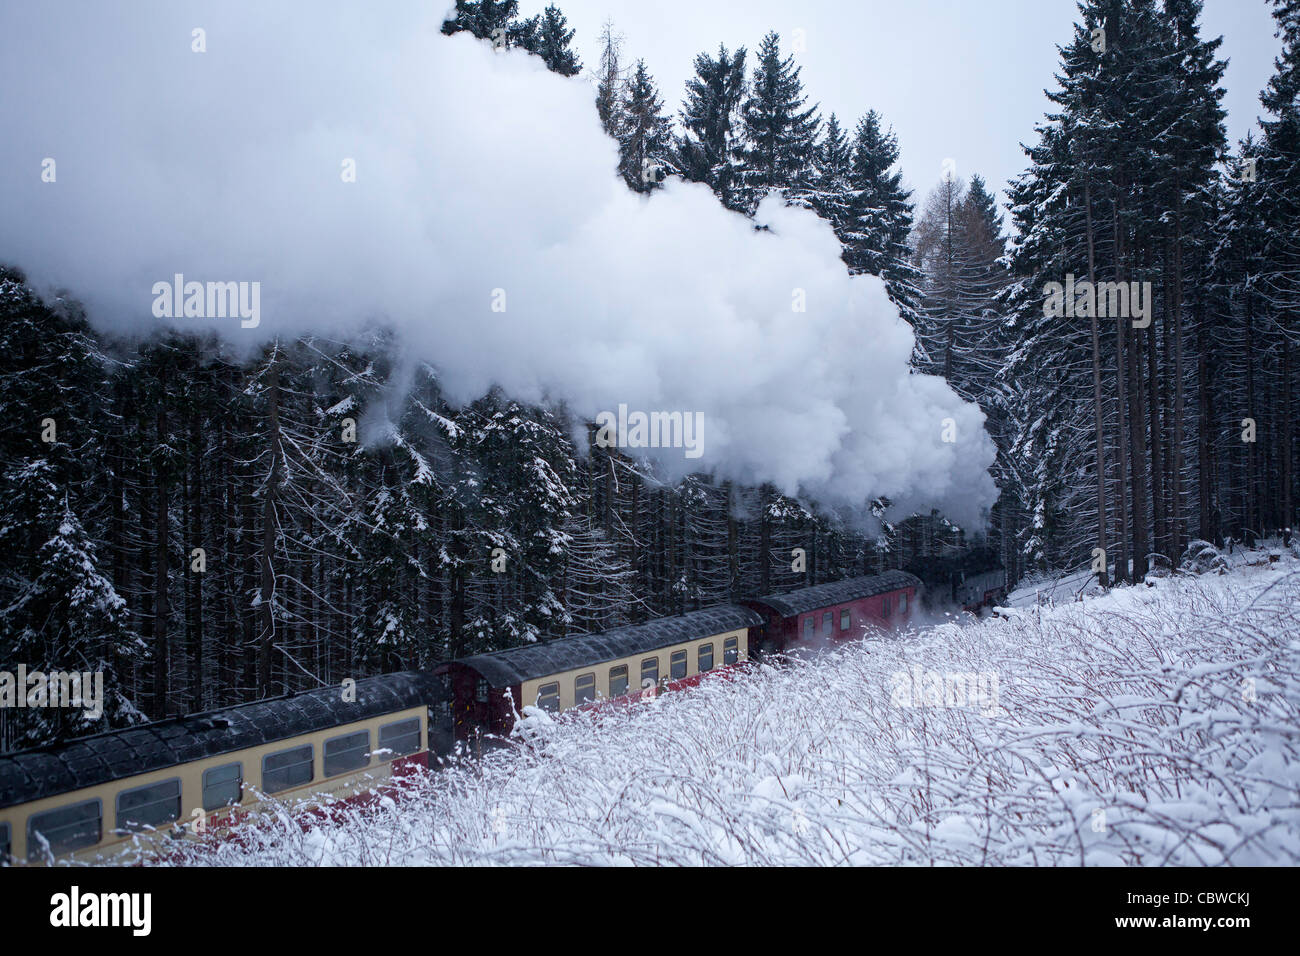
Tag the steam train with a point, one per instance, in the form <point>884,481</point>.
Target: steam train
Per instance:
<point>90,798</point>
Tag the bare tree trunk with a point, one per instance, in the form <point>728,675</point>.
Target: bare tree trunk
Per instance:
<point>1158,421</point>
<point>194,616</point>
<point>1121,503</point>
<point>1208,528</point>
<point>1138,460</point>
<point>1288,449</point>
<point>1180,402</point>
<point>1251,510</point>
<point>162,662</point>
<point>733,545</point>
<point>267,608</point>
<point>1103,578</point>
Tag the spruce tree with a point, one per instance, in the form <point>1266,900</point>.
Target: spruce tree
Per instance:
<point>878,223</point>
<point>550,38</point>
<point>485,19</point>
<point>708,151</point>
<point>780,134</point>
<point>645,134</point>
<point>830,190</point>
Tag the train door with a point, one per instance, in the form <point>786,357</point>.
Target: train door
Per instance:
<point>765,640</point>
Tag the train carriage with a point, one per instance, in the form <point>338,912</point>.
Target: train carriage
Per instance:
<point>90,797</point>
<point>835,611</point>
<point>671,652</point>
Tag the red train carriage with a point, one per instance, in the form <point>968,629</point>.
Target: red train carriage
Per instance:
<point>835,611</point>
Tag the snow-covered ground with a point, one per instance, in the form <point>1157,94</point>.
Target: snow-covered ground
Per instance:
<point>1150,725</point>
<point>1054,589</point>
<point>1037,590</point>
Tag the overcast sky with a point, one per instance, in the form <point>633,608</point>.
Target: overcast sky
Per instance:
<point>959,79</point>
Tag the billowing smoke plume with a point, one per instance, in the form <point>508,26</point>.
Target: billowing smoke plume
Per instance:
<point>481,179</point>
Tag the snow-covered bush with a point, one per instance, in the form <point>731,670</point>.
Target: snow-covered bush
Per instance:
<point>1160,565</point>
<point>1201,557</point>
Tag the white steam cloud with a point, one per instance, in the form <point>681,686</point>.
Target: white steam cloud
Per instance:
<point>475,171</point>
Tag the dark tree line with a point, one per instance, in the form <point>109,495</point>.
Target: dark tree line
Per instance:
<point>1188,416</point>
<point>206,529</point>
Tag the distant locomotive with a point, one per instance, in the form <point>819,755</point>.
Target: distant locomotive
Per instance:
<point>91,797</point>
<point>970,579</point>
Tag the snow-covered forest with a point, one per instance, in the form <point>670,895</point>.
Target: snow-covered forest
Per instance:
<point>207,523</point>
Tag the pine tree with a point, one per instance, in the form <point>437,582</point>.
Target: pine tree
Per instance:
<point>780,135</point>
<point>59,610</point>
<point>1278,170</point>
<point>876,229</point>
<point>708,151</point>
<point>546,35</point>
<point>485,19</point>
<point>1121,190</point>
<point>830,191</point>
<point>645,134</point>
<point>549,38</point>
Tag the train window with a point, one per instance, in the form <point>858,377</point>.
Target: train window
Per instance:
<point>704,660</point>
<point>826,623</point>
<point>618,681</point>
<point>844,619</point>
<point>149,806</point>
<point>399,738</point>
<point>4,842</point>
<point>808,625</point>
<point>650,671</point>
<point>584,688</point>
<point>481,691</point>
<point>348,752</point>
<point>223,786</point>
<point>287,768</point>
<point>65,829</point>
<point>730,650</point>
<point>548,696</point>
<point>677,665</point>
<point>902,603</point>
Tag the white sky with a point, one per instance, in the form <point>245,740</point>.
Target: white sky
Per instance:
<point>959,79</point>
